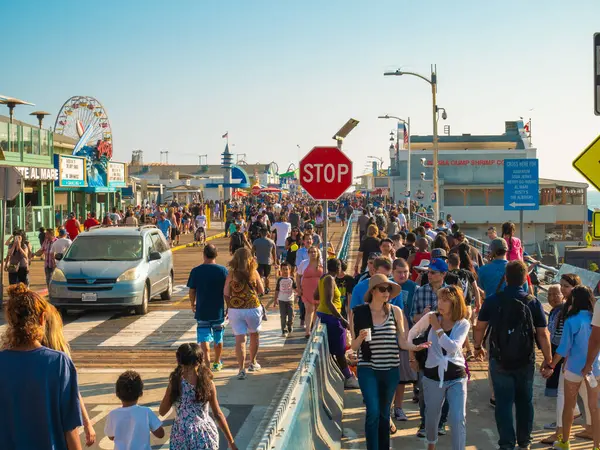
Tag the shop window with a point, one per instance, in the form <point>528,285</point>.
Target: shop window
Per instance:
<point>453,197</point>
<point>496,197</point>
<point>27,147</point>
<point>475,197</point>
<point>13,138</point>
<point>564,232</point>
<point>35,141</point>
<point>44,149</point>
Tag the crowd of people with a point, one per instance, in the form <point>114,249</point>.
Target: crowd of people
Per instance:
<point>420,304</point>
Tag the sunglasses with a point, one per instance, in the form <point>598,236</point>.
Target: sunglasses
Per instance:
<point>383,289</point>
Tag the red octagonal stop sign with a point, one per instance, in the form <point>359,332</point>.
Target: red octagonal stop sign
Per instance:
<point>325,173</point>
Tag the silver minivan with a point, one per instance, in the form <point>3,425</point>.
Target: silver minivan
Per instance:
<point>112,267</point>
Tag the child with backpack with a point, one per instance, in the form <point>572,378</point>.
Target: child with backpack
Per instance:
<point>130,426</point>
<point>237,240</point>
<point>192,390</point>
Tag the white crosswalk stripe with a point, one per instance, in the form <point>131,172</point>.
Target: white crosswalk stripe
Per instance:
<point>88,331</point>
<point>137,331</point>
<point>84,324</point>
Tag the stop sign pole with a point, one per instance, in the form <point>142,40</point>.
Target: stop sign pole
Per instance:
<point>331,182</point>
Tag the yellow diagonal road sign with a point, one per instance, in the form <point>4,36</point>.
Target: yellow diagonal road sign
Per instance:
<point>588,163</point>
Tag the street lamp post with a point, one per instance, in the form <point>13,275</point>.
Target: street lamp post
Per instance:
<point>407,124</point>
<point>433,82</point>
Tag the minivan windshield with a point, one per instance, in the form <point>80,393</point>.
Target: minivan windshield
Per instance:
<point>105,248</point>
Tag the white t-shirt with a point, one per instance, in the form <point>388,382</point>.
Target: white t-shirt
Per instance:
<point>131,427</point>
<point>61,245</point>
<point>402,220</point>
<point>283,231</point>
<point>596,316</point>
<point>201,221</point>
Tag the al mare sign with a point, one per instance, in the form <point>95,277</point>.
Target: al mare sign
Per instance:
<point>38,173</point>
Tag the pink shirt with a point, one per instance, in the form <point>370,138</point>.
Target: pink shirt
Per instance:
<point>515,249</point>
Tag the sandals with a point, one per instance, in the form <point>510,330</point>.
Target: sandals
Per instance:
<point>550,439</point>
<point>393,428</point>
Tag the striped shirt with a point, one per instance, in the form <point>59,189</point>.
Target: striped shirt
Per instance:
<point>385,353</point>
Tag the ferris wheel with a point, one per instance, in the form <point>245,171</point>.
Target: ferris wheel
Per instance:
<point>80,112</point>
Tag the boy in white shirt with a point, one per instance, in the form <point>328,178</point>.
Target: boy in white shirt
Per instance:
<point>130,425</point>
<point>285,295</point>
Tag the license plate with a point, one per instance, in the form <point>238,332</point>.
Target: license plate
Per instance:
<point>89,297</point>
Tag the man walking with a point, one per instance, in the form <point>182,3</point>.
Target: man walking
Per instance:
<point>206,283</point>
<point>264,250</point>
<point>517,320</point>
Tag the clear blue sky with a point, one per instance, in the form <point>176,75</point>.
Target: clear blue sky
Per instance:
<point>277,74</point>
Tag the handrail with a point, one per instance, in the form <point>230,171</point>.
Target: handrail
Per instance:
<point>272,430</point>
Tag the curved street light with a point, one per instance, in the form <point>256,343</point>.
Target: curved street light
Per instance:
<point>433,83</point>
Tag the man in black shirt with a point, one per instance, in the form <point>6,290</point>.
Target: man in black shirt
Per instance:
<point>409,247</point>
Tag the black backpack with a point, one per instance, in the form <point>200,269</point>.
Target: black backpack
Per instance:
<point>237,241</point>
<point>512,335</point>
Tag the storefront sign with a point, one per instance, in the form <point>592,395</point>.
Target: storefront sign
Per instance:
<point>467,162</point>
<point>116,174</point>
<point>38,173</point>
<point>71,171</point>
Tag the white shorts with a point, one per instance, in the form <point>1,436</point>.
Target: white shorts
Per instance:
<point>574,377</point>
<point>244,321</point>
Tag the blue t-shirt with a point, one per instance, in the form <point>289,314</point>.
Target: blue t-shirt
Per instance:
<point>39,397</point>
<point>358,293</point>
<point>490,274</point>
<point>209,282</point>
<point>164,225</point>
<point>408,292</point>
<point>574,343</point>
<point>491,304</point>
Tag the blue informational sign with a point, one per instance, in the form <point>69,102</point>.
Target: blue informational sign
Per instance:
<point>521,184</point>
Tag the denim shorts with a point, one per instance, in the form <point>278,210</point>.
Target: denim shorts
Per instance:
<point>210,331</point>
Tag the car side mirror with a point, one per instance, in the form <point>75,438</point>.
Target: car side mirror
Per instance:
<point>58,256</point>
<point>154,256</point>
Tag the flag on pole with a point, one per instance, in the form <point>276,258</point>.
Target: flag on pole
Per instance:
<point>226,135</point>
<point>527,127</point>
<point>402,127</point>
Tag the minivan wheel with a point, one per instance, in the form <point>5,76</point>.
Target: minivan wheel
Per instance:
<point>142,309</point>
<point>168,294</point>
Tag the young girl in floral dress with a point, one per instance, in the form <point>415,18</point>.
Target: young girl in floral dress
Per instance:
<point>191,390</point>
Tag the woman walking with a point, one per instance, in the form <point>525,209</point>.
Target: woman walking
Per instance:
<point>310,271</point>
<point>38,386</point>
<point>18,259</point>
<point>378,334</point>
<point>243,285</point>
<point>573,347</point>
<point>445,377</point>
<point>175,226</point>
<point>292,244</point>
<point>329,311</point>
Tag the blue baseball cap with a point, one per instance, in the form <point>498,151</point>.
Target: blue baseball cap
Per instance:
<point>438,265</point>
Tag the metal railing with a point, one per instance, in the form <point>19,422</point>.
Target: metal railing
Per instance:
<point>548,272</point>
<point>273,433</point>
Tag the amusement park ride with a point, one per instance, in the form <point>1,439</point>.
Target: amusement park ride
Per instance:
<point>85,119</point>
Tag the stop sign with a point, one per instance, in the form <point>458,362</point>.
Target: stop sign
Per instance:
<point>255,190</point>
<point>325,173</point>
